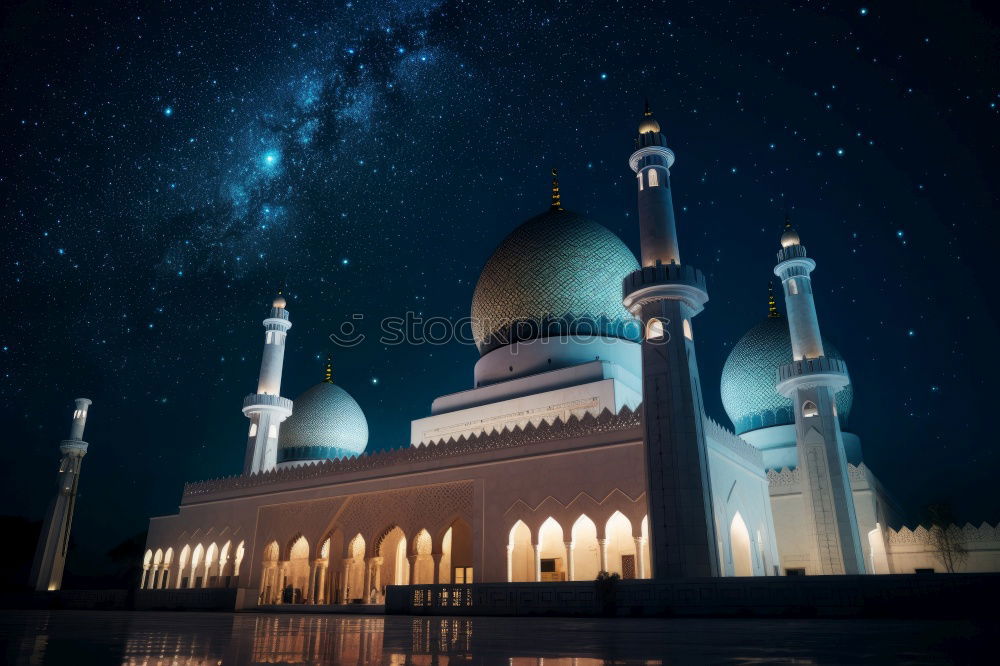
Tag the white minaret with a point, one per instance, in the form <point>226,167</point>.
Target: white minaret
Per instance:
<point>811,381</point>
<point>665,295</point>
<point>50,554</point>
<point>266,409</point>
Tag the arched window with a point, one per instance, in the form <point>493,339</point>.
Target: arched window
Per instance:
<point>253,429</point>
<point>639,176</point>
<point>654,330</point>
<point>809,409</point>
<point>654,178</point>
<point>688,333</point>
<point>272,431</point>
<point>793,287</point>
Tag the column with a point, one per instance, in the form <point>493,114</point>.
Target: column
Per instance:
<point>437,567</point>
<point>510,563</point>
<point>603,545</point>
<point>640,561</point>
<point>377,575</point>
<point>538,562</point>
<point>321,583</point>
<point>346,590</point>
<point>412,559</point>
<point>145,575</point>
<point>310,592</point>
<point>570,561</point>
<point>368,580</point>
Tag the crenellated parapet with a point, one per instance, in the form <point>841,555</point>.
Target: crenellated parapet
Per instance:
<point>727,438</point>
<point>921,535</point>
<point>573,427</point>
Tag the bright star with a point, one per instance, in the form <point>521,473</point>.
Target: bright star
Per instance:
<point>271,158</point>
<point>169,111</point>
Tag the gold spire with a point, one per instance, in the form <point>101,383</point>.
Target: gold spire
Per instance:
<point>328,370</point>
<point>556,202</point>
<point>772,307</point>
<point>648,112</point>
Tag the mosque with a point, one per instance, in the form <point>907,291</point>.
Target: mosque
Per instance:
<point>582,445</point>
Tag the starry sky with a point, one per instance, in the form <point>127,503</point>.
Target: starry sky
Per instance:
<point>168,166</point>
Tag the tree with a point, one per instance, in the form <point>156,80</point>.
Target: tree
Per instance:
<point>946,538</point>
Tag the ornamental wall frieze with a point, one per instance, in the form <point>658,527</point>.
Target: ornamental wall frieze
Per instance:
<point>921,535</point>
<point>733,442</point>
<point>571,428</point>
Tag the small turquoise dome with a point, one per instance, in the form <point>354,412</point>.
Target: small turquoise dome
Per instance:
<point>750,373</point>
<point>326,423</point>
<point>556,274</point>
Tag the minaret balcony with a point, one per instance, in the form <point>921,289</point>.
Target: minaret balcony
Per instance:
<point>810,373</point>
<point>73,447</point>
<point>264,402</point>
<point>664,281</point>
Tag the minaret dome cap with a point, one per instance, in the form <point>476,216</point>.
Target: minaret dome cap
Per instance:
<point>790,237</point>
<point>648,122</point>
<point>279,302</point>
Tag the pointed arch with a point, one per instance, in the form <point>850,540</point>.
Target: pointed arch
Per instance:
<point>238,560</point>
<point>586,550</point>
<point>271,579</point>
<point>520,554</point>
<point>619,546</point>
<point>739,547</point>
<point>182,573</point>
<point>809,409</point>
<point>457,549</point>
<point>423,562</point>
<point>211,571</point>
<point>552,562</point>
<point>197,558</point>
<point>394,568</point>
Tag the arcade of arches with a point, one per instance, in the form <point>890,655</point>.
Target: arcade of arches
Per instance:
<point>200,566</point>
<point>578,551</point>
<point>341,571</point>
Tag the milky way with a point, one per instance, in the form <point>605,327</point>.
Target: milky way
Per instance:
<point>168,168</point>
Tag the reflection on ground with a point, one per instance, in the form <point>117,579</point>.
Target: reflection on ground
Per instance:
<point>204,639</point>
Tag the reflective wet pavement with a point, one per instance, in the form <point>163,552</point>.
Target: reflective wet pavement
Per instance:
<point>200,639</point>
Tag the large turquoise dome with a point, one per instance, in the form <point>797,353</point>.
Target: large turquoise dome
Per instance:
<point>326,423</point>
<point>557,273</point>
<point>750,373</point>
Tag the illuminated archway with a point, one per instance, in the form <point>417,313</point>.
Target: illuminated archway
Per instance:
<point>739,547</point>
<point>520,554</point>
<point>586,551</point>
<point>619,546</point>
<point>552,564</point>
<point>270,581</point>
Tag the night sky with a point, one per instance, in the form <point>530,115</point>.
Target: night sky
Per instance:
<point>167,167</point>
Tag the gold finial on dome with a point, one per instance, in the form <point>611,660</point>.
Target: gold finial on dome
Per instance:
<point>648,122</point>
<point>328,369</point>
<point>789,236</point>
<point>772,307</point>
<point>556,201</point>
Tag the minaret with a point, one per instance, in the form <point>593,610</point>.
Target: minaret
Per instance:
<point>266,409</point>
<point>665,295</point>
<point>50,554</point>
<point>811,380</point>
